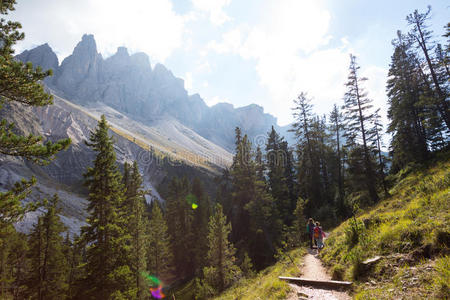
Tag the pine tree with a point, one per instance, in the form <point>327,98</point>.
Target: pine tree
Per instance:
<point>243,177</point>
<point>276,158</point>
<point>357,116</point>
<point>179,218</point>
<point>337,127</point>
<point>13,263</point>
<point>19,84</point>
<point>421,36</point>
<point>202,212</point>
<point>407,111</point>
<point>49,267</point>
<point>107,274</point>
<point>73,251</point>
<point>222,270</point>
<point>159,254</point>
<point>135,214</point>
<point>376,137</point>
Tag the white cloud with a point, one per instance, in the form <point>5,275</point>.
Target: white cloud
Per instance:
<point>288,49</point>
<point>150,26</point>
<point>213,8</point>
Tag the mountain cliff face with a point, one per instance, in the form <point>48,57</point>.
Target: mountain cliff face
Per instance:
<point>130,85</point>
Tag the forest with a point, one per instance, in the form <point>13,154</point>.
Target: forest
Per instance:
<point>131,249</point>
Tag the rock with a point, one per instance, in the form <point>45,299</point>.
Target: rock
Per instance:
<point>372,261</point>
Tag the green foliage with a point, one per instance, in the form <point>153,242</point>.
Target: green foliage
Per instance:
<point>221,271</point>
<point>19,83</point>
<point>159,254</point>
<point>13,263</point>
<point>106,235</point>
<point>134,212</point>
<point>49,268</point>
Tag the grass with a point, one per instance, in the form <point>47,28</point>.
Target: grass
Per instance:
<point>266,285</point>
<point>410,230</point>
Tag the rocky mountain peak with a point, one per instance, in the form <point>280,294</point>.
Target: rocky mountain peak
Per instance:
<point>42,56</point>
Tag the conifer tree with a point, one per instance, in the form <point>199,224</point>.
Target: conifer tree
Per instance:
<point>222,270</point>
<point>19,84</point>
<point>407,113</point>
<point>179,218</point>
<point>336,119</point>
<point>376,138</point>
<point>49,267</point>
<point>276,158</point>
<point>421,37</point>
<point>357,116</point>
<point>159,254</point>
<point>107,272</point>
<point>306,130</point>
<point>13,263</point>
<point>243,177</point>
<point>202,212</point>
<point>73,251</point>
<point>137,222</point>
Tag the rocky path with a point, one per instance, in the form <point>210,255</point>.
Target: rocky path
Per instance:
<point>312,268</point>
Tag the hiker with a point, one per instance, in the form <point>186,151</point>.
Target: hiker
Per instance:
<point>310,229</point>
<point>318,236</point>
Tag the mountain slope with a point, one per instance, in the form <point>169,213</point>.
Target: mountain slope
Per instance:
<point>129,84</point>
<point>65,174</point>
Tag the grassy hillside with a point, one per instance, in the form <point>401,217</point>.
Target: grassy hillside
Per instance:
<point>410,232</point>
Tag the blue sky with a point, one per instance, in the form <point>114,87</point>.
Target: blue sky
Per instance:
<point>240,51</point>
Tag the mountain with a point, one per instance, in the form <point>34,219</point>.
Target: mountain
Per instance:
<point>129,84</point>
<point>159,159</point>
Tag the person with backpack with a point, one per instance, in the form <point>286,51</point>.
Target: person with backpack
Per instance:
<point>318,236</point>
<point>310,230</point>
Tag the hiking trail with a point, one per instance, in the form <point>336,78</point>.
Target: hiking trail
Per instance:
<point>312,268</point>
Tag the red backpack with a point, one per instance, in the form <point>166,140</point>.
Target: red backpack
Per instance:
<point>317,232</point>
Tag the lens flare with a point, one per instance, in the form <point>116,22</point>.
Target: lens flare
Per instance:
<point>157,292</point>
<point>192,200</point>
<point>152,280</point>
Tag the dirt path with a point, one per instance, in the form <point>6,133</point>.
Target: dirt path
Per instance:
<point>312,268</point>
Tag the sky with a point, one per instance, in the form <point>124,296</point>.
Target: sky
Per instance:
<point>240,51</point>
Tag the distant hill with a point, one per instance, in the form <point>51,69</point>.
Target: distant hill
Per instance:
<point>130,85</point>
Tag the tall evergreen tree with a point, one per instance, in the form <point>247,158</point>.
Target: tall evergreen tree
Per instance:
<point>222,270</point>
<point>357,116</point>
<point>276,158</point>
<point>179,218</point>
<point>13,263</point>
<point>376,137</point>
<point>19,84</point>
<point>159,254</point>
<point>135,214</point>
<point>48,264</point>
<point>202,212</point>
<point>337,127</point>
<point>407,113</point>
<point>107,274</point>
<point>421,36</point>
